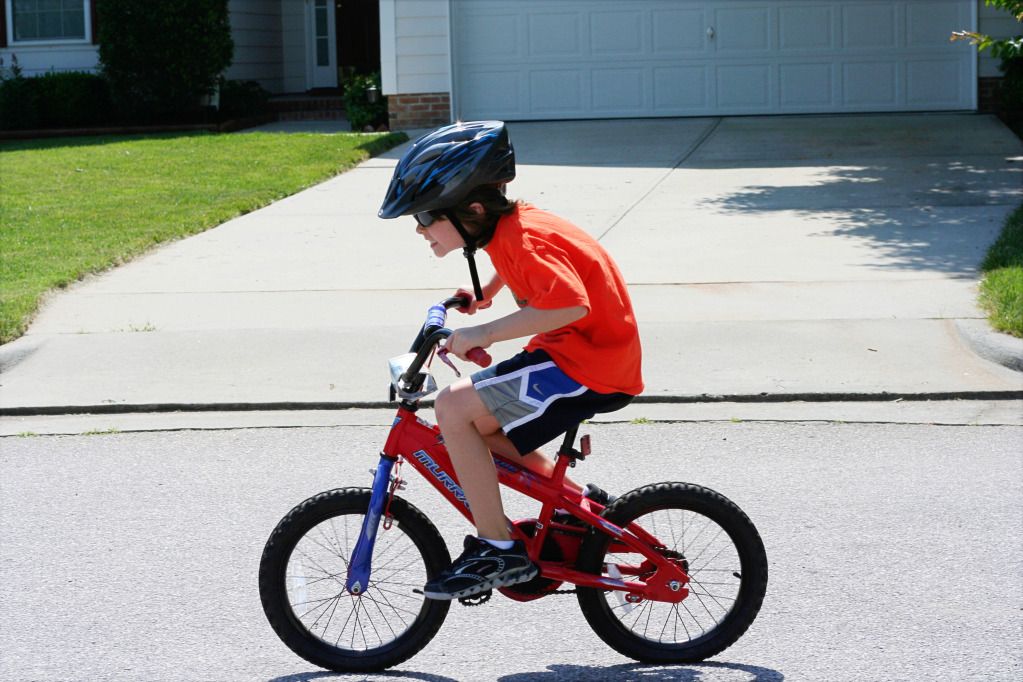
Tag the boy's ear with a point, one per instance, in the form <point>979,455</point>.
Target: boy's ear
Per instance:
<point>477,208</point>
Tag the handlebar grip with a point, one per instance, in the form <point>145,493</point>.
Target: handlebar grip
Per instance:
<point>479,356</point>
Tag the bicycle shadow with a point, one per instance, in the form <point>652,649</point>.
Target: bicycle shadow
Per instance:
<point>386,674</point>
<point>646,673</point>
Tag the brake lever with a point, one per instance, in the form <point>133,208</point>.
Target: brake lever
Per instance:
<point>443,355</point>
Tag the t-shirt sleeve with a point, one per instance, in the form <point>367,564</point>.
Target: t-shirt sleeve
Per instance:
<point>551,278</point>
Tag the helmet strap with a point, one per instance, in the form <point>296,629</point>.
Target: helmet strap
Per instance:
<point>469,252</point>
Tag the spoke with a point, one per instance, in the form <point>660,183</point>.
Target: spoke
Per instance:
<point>387,622</point>
<point>693,616</point>
<point>696,559</point>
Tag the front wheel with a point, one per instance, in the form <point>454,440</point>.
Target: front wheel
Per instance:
<point>714,542</point>
<point>302,583</point>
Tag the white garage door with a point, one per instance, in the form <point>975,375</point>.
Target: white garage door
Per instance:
<point>550,59</point>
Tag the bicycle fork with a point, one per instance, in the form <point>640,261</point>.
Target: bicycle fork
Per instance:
<point>362,558</point>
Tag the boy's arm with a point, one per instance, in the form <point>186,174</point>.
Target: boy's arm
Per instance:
<point>490,289</point>
<point>526,321</point>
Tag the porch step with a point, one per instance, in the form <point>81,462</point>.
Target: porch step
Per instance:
<point>308,108</point>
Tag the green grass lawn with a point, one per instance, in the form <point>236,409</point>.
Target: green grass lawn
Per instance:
<point>1001,292</point>
<point>73,206</point>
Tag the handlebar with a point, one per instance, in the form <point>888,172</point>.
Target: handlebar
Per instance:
<point>433,332</point>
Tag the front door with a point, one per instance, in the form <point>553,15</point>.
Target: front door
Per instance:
<point>321,42</point>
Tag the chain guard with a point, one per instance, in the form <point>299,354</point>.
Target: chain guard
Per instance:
<point>538,586</point>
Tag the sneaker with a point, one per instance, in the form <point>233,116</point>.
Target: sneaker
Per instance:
<point>482,567</point>
<point>590,492</point>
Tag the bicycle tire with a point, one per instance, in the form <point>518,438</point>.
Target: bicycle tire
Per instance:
<point>729,561</point>
<point>302,574</point>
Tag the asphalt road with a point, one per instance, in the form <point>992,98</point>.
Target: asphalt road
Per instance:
<point>896,553</point>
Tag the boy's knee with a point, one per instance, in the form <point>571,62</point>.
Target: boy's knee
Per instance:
<point>458,404</point>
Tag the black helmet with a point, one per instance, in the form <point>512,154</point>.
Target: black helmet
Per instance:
<point>442,167</point>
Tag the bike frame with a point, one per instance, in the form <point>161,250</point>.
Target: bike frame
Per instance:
<point>415,441</point>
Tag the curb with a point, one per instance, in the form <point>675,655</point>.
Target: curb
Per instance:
<point>993,346</point>
<point>292,406</point>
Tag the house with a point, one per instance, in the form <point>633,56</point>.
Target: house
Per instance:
<point>565,59</point>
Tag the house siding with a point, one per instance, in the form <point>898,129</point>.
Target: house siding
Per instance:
<point>256,27</point>
<point>293,46</point>
<point>416,44</point>
<point>998,24</point>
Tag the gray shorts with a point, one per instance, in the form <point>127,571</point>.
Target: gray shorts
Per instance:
<point>535,402</point>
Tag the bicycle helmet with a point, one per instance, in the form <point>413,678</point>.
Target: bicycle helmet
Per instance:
<point>443,166</point>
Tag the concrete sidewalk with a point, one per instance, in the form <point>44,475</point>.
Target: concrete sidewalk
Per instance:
<point>768,258</point>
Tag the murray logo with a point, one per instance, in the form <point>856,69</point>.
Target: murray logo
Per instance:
<point>441,476</point>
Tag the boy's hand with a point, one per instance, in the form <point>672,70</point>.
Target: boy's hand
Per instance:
<point>463,340</point>
<point>474,305</point>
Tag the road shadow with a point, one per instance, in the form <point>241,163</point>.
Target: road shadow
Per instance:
<point>642,672</point>
<point>934,215</point>
<point>385,675</point>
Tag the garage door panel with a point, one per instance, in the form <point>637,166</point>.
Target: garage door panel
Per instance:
<point>619,91</point>
<point>927,25</point>
<point>554,35</point>
<point>679,31</point>
<point>617,33</point>
<point>744,87</point>
<point>869,85</point>
<point>742,30</point>
<point>931,80</point>
<point>556,91</point>
<point>479,94</point>
<point>681,90</point>
<point>488,36</point>
<point>805,28</point>
<point>806,86</point>
<point>597,58</point>
<point>869,26</point>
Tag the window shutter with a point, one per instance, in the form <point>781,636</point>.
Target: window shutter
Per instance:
<point>94,22</point>
<point>3,24</point>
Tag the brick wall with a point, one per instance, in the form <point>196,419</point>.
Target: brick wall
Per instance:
<point>423,110</point>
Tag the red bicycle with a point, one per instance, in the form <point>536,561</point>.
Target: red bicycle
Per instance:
<point>666,573</point>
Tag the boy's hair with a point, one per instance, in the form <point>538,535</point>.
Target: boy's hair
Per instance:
<point>495,205</point>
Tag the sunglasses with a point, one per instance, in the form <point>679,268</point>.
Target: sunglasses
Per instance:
<point>427,218</point>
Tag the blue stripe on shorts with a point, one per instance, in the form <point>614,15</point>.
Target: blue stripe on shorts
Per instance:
<point>535,402</point>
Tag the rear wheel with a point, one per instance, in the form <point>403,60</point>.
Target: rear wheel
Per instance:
<point>717,546</point>
<point>302,583</point>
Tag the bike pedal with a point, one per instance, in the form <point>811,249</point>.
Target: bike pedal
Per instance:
<point>476,599</point>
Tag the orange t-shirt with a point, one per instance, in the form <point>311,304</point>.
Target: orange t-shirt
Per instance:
<point>548,263</point>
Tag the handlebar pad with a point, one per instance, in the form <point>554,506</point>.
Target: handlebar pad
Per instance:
<point>437,316</point>
<point>479,356</point>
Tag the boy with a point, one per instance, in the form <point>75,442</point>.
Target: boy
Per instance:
<point>584,354</point>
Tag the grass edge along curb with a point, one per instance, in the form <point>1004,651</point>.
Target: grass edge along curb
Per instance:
<point>34,226</point>
<point>1001,290</point>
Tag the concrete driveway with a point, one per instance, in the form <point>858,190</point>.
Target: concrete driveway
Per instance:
<point>786,257</point>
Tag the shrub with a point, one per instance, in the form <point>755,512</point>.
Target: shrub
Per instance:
<point>239,99</point>
<point>19,106</point>
<point>360,111</point>
<point>72,99</point>
<point>161,58</point>
<point>53,100</point>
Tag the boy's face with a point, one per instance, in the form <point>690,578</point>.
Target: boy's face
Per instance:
<point>442,236</point>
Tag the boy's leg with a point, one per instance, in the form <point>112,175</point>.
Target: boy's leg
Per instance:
<point>535,461</point>
<point>458,408</point>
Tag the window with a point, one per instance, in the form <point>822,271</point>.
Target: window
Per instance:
<point>48,20</point>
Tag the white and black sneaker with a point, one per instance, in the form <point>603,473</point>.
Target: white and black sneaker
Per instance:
<point>482,567</point>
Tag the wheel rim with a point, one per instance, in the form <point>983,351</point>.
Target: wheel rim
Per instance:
<point>379,616</point>
<point>714,568</point>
